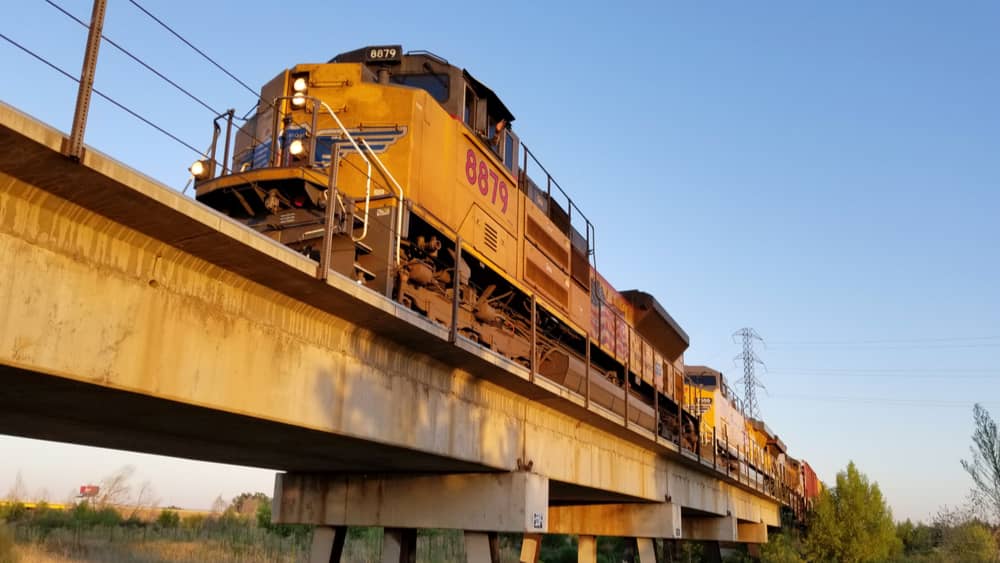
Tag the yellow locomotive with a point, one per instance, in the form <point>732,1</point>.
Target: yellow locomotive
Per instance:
<point>403,172</point>
<point>743,446</point>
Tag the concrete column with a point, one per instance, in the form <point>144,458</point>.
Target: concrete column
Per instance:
<point>399,545</point>
<point>712,552</point>
<point>586,549</point>
<point>327,544</point>
<point>646,549</point>
<point>481,548</point>
<point>531,547</point>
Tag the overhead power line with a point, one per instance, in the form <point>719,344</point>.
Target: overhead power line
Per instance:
<point>107,98</point>
<point>949,375</point>
<point>884,370</point>
<point>189,44</point>
<point>894,343</point>
<point>137,59</point>
<point>889,401</point>
<point>888,340</point>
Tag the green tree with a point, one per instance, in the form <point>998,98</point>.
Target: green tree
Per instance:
<point>247,504</point>
<point>984,466</point>
<point>917,539</point>
<point>970,542</point>
<point>851,523</point>
<point>780,548</point>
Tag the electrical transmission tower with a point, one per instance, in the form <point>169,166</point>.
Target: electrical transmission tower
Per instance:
<point>750,361</point>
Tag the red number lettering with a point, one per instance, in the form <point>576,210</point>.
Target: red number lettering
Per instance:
<point>484,180</point>
<point>470,167</point>
<point>503,195</point>
<point>477,171</point>
<point>494,177</point>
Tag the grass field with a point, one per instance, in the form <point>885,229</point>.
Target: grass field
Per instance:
<point>249,545</point>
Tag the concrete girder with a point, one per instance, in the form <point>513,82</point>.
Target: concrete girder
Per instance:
<point>658,520</point>
<point>709,528</point>
<point>487,502</point>
<point>751,532</point>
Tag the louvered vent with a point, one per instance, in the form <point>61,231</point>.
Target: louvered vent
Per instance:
<point>490,237</point>
<point>544,282</point>
<point>552,248</point>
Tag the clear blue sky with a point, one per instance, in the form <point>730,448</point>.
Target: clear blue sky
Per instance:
<point>826,172</point>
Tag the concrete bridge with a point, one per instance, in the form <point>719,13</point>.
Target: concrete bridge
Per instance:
<point>135,318</point>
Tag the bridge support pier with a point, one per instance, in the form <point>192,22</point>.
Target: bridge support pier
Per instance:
<point>531,548</point>
<point>399,545</point>
<point>327,544</point>
<point>481,504</point>
<point>586,549</point>
<point>482,547</point>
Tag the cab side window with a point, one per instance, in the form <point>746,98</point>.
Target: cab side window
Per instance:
<point>435,84</point>
<point>469,109</point>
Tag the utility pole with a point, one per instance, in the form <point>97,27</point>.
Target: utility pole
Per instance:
<point>750,361</point>
<point>74,149</point>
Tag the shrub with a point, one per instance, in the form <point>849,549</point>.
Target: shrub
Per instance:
<point>168,519</point>
<point>193,522</point>
<point>13,512</point>
<point>7,553</point>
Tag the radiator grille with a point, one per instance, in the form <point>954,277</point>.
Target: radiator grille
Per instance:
<point>490,237</point>
<point>543,281</point>
<point>545,242</point>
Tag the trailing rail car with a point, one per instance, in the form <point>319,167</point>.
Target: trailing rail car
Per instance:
<point>404,173</point>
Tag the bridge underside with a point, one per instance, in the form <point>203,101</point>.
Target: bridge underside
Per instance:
<point>42,407</point>
<point>53,408</point>
<point>136,319</point>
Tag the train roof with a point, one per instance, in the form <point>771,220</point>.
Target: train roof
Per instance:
<point>700,370</point>
<point>643,304</point>
<point>395,61</point>
<point>771,436</point>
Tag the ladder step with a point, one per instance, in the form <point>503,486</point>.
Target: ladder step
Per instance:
<point>362,247</point>
<point>363,271</point>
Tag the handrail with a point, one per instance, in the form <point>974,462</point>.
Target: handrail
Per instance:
<point>368,182</point>
<point>399,215</point>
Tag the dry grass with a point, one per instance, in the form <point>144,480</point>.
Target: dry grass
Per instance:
<point>152,552</point>
<point>116,545</point>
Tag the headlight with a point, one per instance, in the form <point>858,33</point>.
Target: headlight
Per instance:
<point>200,169</point>
<point>296,147</point>
<point>300,84</point>
<point>299,99</point>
